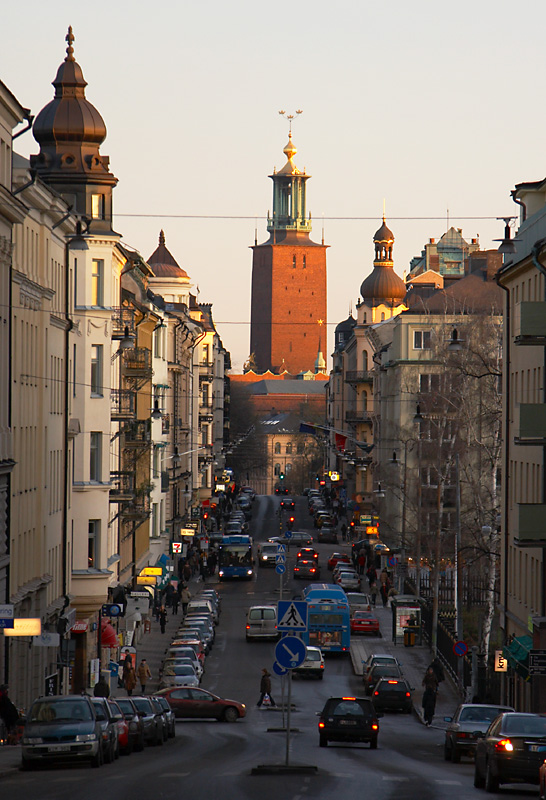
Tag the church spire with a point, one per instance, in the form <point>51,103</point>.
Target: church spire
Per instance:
<point>289,199</point>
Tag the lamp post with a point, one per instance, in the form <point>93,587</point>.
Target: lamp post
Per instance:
<point>418,418</point>
<point>394,460</point>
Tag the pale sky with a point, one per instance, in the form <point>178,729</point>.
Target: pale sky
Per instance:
<point>428,105</point>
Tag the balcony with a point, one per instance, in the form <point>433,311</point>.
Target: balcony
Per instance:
<point>122,404</point>
<point>206,370</point>
<point>138,509</point>
<point>138,434</point>
<point>354,416</point>
<point>531,530</point>
<point>359,376</point>
<point>532,424</point>
<point>123,487</point>
<point>123,318</point>
<point>530,324</point>
<point>137,362</point>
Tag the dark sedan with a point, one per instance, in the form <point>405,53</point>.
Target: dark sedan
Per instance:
<point>393,695</point>
<point>190,703</point>
<point>511,751</point>
<point>381,671</point>
<point>306,568</point>
<point>348,719</point>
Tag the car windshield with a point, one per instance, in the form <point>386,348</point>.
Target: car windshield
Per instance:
<point>312,655</point>
<point>526,725</point>
<point>143,704</point>
<point>59,710</point>
<point>347,707</point>
<point>179,669</point>
<point>125,706</point>
<point>479,714</point>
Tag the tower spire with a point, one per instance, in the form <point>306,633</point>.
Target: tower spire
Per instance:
<point>70,50</point>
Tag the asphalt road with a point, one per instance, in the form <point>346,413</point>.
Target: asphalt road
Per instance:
<point>214,760</point>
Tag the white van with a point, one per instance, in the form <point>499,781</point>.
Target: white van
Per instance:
<point>267,555</point>
<point>202,605</point>
<point>261,623</point>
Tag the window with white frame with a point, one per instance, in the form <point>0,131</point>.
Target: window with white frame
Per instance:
<point>97,282</point>
<point>97,206</point>
<point>421,340</point>
<point>96,370</point>
<point>93,539</point>
<point>95,456</point>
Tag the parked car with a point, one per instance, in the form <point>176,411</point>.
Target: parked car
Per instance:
<point>108,724</point>
<point>348,719</point>
<point>178,675</point>
<point>186,654</point>
<point>136,726</point>
<point>312,666</point>
<point>469,718</point>
<point>195,632</point>
<point>125,743</point>
<point>306,568</point>
<point>510,751</point>
<point>261,623</point>
<point>169,715</point>
<point>195,644</point>
<point>190,703</point>
<point>359,601</point>
<point>203,606</point>
<point>161,713</point>
<point>392,694</point>
<point>380,671</point>
<point>153,726</point>
<point>379,658</point>
<point>365,622</point>
<point>61,728</point>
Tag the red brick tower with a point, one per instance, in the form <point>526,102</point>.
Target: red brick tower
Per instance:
<point>288,313</point>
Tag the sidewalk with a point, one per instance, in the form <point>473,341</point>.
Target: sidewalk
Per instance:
<point>414,661</point>
<point>151,647</point>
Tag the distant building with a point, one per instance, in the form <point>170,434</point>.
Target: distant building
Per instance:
<point>288,306</point>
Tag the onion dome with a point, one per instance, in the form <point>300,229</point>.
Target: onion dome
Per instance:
<point>290,151</point>
<point>383,285</point>
<point>163,263</point>
<point>69,118</point>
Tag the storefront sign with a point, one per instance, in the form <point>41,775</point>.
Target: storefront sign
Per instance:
<point>151,571</point>
<point>25,627</point>
<point>80,626</point>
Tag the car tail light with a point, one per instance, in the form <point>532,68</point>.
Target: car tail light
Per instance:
<point>504,744</point>
<point>463,735</point>
<point>348,698</point>
<point>375,726</point>
<point>408,694</point>
<point>376,692</point>
<point>248,627</point>
<point>393,681</point>
<point>321,724</point>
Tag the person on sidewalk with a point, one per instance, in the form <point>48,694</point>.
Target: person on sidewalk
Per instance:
<point>101,688</point>
<point>265,688</point>
<point>143,674</point>
<point>8,712</point>
<point>429,705</point>
<point>430,681</point>
<point>438,670</point>
<point>129,680</point>
<point>162,618</point>
<point>174,602</point>
<point>373,593</point>
<point>185,597</point>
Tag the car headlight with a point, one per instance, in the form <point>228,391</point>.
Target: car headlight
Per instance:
<point>86,737</point>
<point>249,572</point>
<point>32,740</point>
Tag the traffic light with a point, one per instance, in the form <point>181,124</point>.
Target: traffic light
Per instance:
<point>290,523</point>
<point>205,515</point>
<point>281,476</point>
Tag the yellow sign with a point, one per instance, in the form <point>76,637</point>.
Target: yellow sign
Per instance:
<point>187,532</point>
<point>372,530</point>
<point>501,664</point>
<point>25,627</point>
<point>146,580</point>
<point>151,571</point>
<point>334,476</point>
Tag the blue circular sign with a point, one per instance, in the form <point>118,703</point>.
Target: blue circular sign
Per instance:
<point>278,670</point>
<point>290,652</point>
<point>393,561</point>
<point>280,569</point>
<point>460,648</point>
<point>288,534</point>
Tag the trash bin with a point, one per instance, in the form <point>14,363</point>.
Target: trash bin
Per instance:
<point>409,637</point>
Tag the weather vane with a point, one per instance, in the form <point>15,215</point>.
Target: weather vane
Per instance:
<point>290,117</point>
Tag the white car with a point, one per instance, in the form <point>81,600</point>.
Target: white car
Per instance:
<point>180,675</point>
<point>348,580</point>
<point>176,662</point>
<point>313,664</point>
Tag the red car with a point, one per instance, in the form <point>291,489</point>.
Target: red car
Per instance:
<point>124,741</point>
<point>335,557</point>
<point>364,622</point>
<point>190,702</point>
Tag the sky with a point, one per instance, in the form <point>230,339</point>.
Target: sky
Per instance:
<point>433,108</point>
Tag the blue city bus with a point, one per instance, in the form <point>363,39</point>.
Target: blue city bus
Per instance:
<point>235,558</point>
<point>328,618</point>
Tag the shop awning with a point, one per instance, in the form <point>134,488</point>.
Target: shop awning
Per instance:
<point>109,636</point>
<point>517,654</point>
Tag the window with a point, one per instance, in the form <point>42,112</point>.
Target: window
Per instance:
<point>277,447</point>
<point>288,466</point>
<point>305,262</point>
<point>93,543</point>
<point>294,262</point>
<point>155,520</point>
<point>289,448</point>
<point>277,469</point>
<point>421,340</point>
<point>95,448</point>
<point>301,448</point>
<point>97,206</point>
<point>96,370</point>
<point>429,383</point>
<point>97,282</point>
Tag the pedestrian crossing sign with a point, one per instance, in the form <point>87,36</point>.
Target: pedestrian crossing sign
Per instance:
<point>292,615</point>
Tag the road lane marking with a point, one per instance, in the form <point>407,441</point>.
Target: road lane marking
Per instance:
<point>448,783</point>
<point>174,774</point>
<point>394,778</point>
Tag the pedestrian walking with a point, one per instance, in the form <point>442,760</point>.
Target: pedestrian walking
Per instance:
<point>185,597</point>
<point>371,575</point>
<point>436,666</point>
<point>430,681</point>
<point>265,688</point>
<point>8,712</point>
<point>343,531</point>
<point>155,610</point>
<point>186,572</point>
<point>361,562</point>
<point>143,674</point>
<point>130,680</point>
<point>162,618</point>
<point>429,705</point>
<point>174,603</point>
<point>384,594</point>
<point>373,593</point>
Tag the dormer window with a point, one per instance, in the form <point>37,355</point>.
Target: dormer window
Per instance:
<point>97,206</point>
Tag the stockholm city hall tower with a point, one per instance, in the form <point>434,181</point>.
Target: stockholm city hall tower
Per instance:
<point>288,311</point>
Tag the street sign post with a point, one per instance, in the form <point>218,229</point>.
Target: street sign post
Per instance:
<point>460,648</point>
<point>280,569</point>
<point>537,662</point>
<point>290,652</point>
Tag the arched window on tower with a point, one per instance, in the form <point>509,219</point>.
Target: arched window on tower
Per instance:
<point>277,447</point>
<point>294,262</point>
<point>288,467</point>
<point>365,360</point>
<point>289,448</point>
<point>305,262</point>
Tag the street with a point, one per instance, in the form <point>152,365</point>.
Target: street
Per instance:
<point>214,760</point>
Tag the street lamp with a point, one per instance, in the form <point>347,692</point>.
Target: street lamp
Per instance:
<point>455,344</point>
<point>156,411</point>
